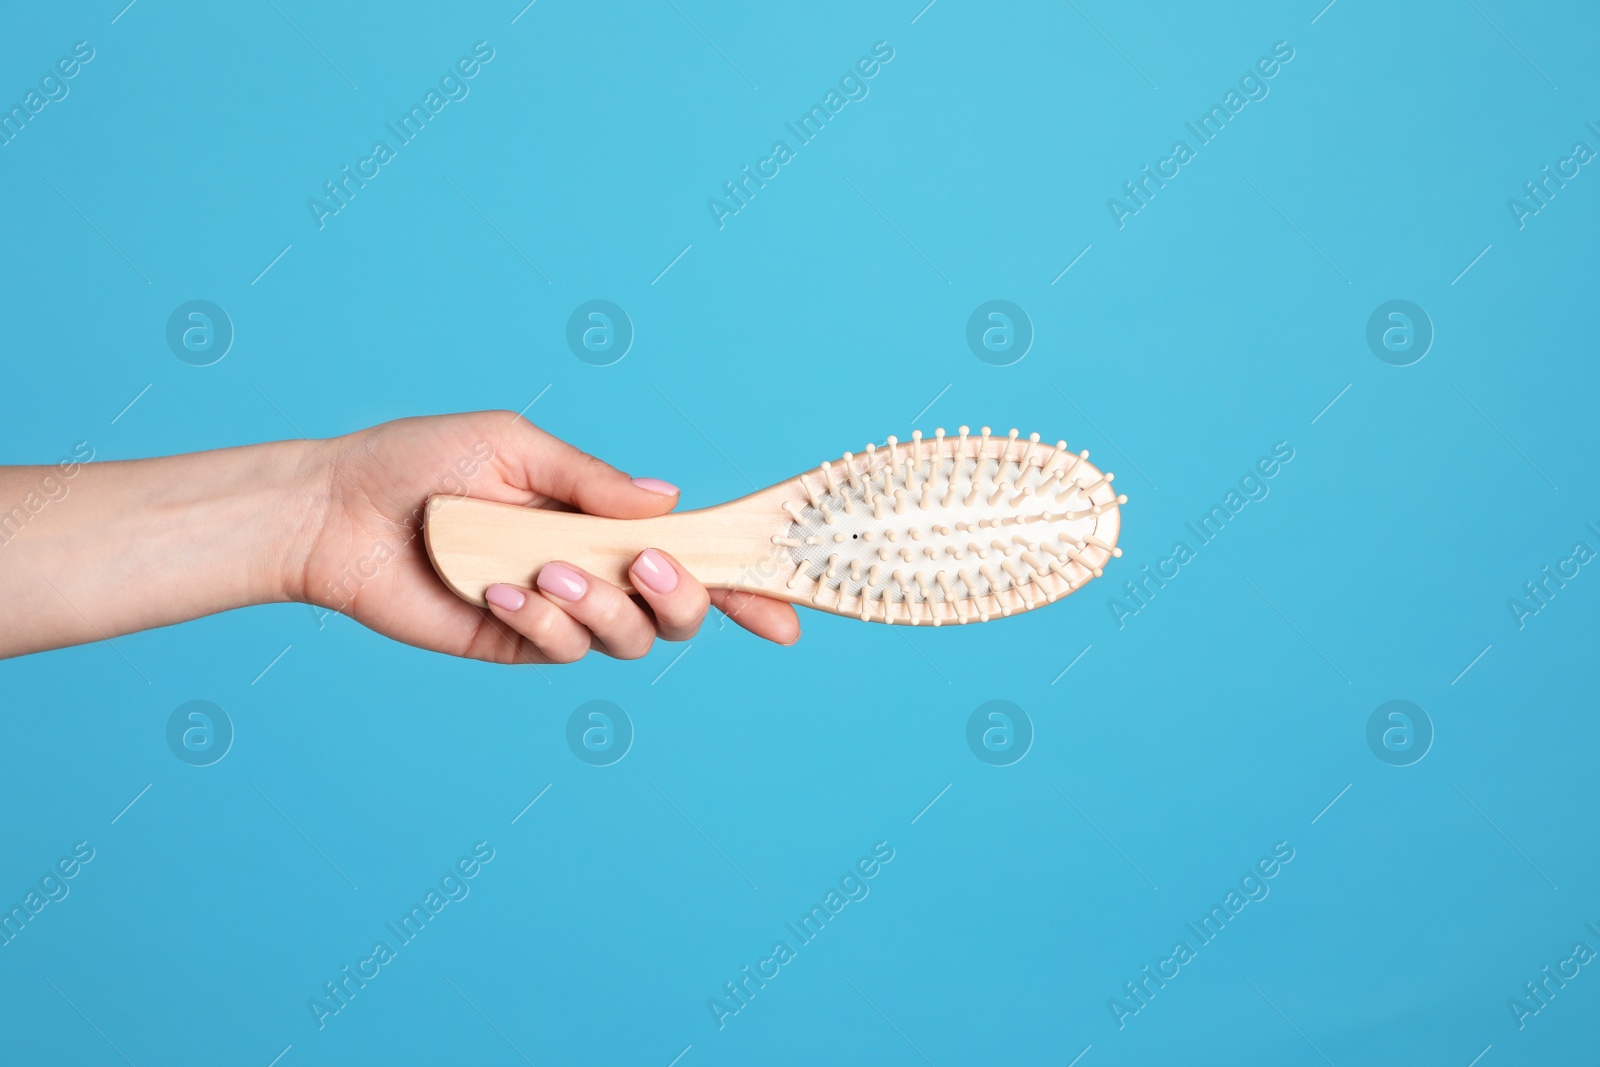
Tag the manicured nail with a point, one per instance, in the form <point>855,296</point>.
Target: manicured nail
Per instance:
<point>653,569</point>
<point>505,597</point>
<point>656,485</point>
<point>560,580</point>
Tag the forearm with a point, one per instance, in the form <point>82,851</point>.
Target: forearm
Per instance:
<point>124,546</point>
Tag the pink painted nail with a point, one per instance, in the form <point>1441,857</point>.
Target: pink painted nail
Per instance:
<point>560,580</point>
<point>656,485</point>
<point>654,570</point>
<point>505,597</point>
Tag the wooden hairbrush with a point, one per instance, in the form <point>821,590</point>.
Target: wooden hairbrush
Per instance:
<point>954,529</point>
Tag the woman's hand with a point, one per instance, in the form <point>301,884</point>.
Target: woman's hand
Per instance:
<point>365,557</point>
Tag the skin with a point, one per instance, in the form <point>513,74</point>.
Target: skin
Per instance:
<point>95,550</point>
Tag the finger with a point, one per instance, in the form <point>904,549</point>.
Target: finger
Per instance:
<point>545,464</point>
<point>619,625</point>
<point>677,598</point>
<point>761,615</point>
<point>557,636</point>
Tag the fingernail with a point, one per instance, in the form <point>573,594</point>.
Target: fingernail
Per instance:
<point>655,571</point>
<point>562,581</point>
<point>505,597</point>
<point>656,485</point>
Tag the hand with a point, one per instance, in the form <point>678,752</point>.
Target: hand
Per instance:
<point>366,557</point>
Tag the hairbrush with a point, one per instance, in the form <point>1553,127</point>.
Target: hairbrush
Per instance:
<point>952,529</point>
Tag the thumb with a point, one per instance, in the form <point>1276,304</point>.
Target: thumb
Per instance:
<point>548,465</point>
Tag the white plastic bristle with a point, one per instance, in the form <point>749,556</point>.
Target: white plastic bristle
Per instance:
<point>832,570</point>
<point>877,507</point>
<point>811,494</point>
<point>1005,449</point>
<point>787,542</point>
<point>794,510</point>
<point>1027,451</point>
<point>828,476</point>
<point>827,516</point>
<point>916,445</point>
<point>855,570</point>
<point>1122,499</point>
<point>797,577</point>
<point>983,442</point>
<point>962,449</point>
<point>813,540</point>
<point>894,450</point>
<point>999,491</point>
<point>850,471</point>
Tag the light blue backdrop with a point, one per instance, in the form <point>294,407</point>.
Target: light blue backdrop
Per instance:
<point>1228,717</point>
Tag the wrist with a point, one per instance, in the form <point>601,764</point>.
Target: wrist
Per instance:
<point>304,473</point>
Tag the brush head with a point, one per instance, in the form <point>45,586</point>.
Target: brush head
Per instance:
<point>954,529</point>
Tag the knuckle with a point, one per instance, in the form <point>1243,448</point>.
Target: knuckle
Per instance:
<point>608,613</point>
<point>566,652</point>
<point>637,648</point>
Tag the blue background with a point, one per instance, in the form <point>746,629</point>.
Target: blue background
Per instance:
<point>1179,748</point>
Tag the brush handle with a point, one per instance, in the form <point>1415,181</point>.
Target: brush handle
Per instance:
<point>476,543</point>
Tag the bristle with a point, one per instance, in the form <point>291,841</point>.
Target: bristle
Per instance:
<point>936,532</point>
<point>1027,451</point>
